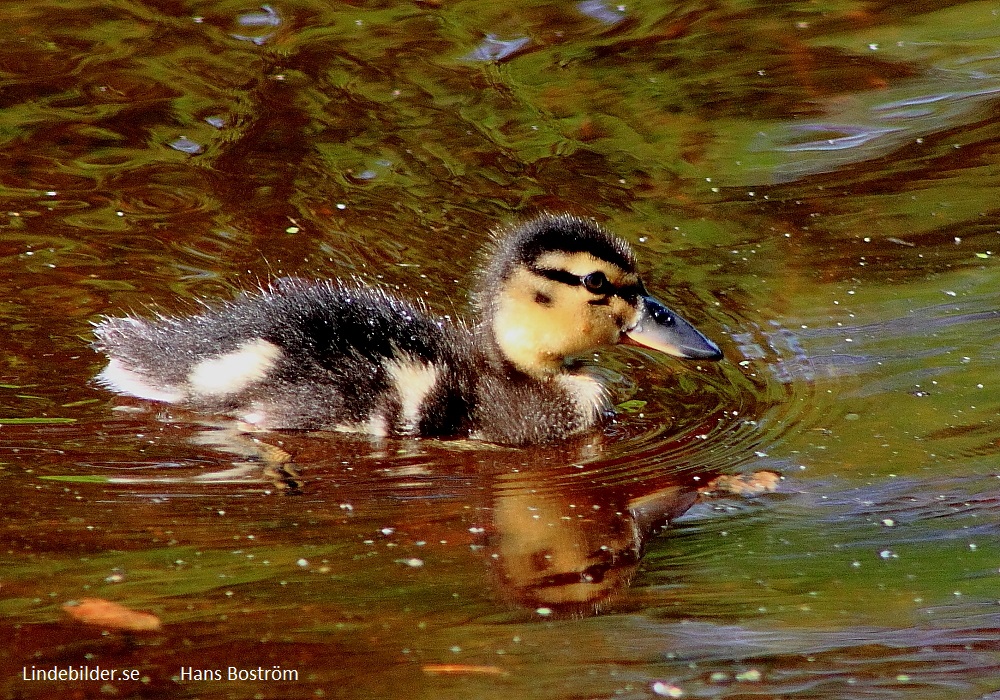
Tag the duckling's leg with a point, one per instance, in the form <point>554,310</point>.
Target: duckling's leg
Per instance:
<point>275,464</point>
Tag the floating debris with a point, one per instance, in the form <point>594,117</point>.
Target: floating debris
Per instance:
<point>601,11</point>
<point>267,19</point>
<point>668,690</point>
<point>103,613</point>
<point>41,420</point>
<point>494,49</point>
<point>745,485</point>
<point>186,145</point>
<point>463,668</point>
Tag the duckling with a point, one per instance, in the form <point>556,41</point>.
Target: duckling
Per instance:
<point>337,355</point>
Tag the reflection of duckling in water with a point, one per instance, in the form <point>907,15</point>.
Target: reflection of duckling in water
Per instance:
<point>558,541</point>
<point>573,553</point>
<point>326,355</point>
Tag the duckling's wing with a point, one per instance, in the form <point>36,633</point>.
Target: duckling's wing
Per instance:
<point>300,354</point>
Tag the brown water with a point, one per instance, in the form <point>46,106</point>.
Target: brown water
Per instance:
<point>813,184</point>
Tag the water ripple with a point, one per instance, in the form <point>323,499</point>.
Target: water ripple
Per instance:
<point>493,49</point>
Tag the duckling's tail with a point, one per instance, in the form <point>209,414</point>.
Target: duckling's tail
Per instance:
<point>126,341</point>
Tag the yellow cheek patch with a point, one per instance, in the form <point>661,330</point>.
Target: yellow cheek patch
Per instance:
<point>539,322</point>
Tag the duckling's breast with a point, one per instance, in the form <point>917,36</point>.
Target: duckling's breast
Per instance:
<point>517,409</point>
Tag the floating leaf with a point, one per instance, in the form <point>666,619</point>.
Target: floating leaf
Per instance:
<point>104,613</point>
<point>745,485</point>
<point>79,478</point>
<point>40,420</point>
<point>474,669</point>
<point>633,406</point>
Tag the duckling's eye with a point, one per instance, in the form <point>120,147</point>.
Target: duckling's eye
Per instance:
<point>597,283</point>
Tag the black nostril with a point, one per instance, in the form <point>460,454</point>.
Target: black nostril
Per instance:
<point>663,316</point>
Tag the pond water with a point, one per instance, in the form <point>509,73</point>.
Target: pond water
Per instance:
<point>813,184</point>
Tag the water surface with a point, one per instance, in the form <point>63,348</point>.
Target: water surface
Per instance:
<point>812,184</point>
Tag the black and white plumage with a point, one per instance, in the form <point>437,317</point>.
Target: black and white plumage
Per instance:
<point>330,355</point>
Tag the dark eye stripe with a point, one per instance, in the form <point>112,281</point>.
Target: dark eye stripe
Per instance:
<point>628,292</point>
<point>558,275</point>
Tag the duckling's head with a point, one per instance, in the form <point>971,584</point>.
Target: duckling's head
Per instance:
<point>559,285</point>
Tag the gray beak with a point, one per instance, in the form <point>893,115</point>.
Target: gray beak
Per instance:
<point>659,328</point>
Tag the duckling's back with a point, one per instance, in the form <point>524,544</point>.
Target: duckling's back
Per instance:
<point>300,355</point>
